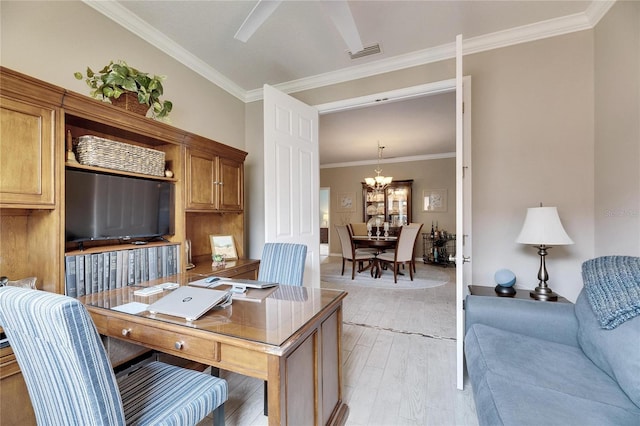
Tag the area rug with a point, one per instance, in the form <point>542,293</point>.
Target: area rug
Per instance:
<point>426,276</point>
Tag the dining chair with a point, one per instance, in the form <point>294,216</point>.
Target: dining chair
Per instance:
<point>358,228</point>
<point>282,263</point>
<point>403,254</point>
<point>71,381</point>
<point>351,253</point>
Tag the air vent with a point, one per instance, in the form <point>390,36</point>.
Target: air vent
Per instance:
<point>374,49</point>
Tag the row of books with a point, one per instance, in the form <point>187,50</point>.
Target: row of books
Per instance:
<point>96,272</point>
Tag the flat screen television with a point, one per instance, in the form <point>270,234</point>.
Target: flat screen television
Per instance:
<point>101,206</point>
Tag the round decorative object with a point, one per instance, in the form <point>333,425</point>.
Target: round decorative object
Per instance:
<point>505,278</point>
<point>371,210</point>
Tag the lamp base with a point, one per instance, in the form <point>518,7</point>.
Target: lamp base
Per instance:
<point>543,293</point>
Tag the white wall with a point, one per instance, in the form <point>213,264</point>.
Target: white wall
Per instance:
<point>50,40</point>
<point>617,131</point>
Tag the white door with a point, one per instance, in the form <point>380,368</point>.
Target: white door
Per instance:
<point>292,176</point>
<point>463,204</point>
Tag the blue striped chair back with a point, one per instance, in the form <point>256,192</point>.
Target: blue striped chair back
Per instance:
<point>70,380</point>
<point>283,263</point>
<point>63,361</point>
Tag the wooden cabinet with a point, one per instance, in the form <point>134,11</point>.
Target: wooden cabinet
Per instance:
<point>214,182</point>
<point>35,117</point>
<point>27,143</point>
<point>13,392</point>
<point>391,205</point>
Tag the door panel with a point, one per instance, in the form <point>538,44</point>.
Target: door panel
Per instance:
<point>292,176</point>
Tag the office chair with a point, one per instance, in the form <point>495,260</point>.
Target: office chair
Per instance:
<point>71,382</point>
<point>282,263</point>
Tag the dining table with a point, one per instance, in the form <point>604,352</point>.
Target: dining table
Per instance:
<point>379,243</point>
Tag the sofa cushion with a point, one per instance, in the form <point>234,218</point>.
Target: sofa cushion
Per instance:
<point>524,380</point>
<point>616,351</point>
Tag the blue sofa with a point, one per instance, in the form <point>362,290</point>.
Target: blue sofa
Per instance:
<point>545,363</point>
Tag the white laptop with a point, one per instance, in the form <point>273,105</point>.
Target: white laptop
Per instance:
<point>190,303</point>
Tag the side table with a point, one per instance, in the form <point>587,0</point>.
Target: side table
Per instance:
<point>478,290</point>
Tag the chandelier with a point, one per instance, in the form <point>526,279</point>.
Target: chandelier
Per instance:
<point>378,183</point>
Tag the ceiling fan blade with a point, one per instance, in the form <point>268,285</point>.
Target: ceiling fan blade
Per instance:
<point>260,12</point>
<point>340,14</point>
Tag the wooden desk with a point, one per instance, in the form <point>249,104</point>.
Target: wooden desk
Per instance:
<point>292,339</point>
<point>379,243</point>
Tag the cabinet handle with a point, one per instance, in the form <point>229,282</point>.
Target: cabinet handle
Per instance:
<point>178,345</point>
<point>126,332</point>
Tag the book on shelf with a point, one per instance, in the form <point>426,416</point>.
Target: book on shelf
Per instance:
<point>70,276</point>
<point>91,273</point>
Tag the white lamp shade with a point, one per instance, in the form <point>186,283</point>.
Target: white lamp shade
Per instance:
<point>542,226</point>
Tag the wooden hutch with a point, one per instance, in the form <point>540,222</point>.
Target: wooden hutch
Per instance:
<point>34,118</point>
<point>391,205</point>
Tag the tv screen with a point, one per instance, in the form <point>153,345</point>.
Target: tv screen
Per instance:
<point>101,206</point>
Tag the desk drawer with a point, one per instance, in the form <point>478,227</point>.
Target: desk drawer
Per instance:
<point>165,340</point>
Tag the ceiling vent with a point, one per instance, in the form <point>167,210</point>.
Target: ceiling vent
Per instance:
<point>374,49</point>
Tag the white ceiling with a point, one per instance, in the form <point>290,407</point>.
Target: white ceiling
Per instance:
<point>298,48</point>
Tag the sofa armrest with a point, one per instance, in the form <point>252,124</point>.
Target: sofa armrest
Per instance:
<point>550,321</point>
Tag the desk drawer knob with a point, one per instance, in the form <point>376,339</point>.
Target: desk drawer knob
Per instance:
<point>126,332</point>
<point>178,345</point>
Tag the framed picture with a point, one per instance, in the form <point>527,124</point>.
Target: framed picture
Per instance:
<point>434,200</point>
<point>346,202</point>
<point>224,245</point>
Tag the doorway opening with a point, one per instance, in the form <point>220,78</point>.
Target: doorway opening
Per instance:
<point>325,196</point>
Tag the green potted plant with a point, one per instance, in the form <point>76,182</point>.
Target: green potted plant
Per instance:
<point>118,81</point>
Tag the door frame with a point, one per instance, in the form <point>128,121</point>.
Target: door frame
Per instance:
<point>427,89</point>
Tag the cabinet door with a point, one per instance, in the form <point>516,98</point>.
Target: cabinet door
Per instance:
<point>231,184</point>
<point>26,155</point>
<point>202,181</point>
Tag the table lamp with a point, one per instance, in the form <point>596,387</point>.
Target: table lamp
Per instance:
<point>542,228</point>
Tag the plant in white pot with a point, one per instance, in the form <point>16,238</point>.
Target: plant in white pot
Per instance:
<point>129,88</point>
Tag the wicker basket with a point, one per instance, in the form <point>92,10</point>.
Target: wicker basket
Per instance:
<point>100,152</point>
<point>129,101</point>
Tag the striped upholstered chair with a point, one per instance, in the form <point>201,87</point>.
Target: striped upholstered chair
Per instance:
<point>71,382</point>
<point>282,263</point>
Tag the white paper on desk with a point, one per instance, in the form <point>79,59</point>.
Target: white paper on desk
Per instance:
<point>131,308</point>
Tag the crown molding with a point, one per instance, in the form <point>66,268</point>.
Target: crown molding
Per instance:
<point>389,160</point>
<point>523,34</point>
<point>597,9</point>
<point>123,17</point>
<point>527,33</point>
<point>396,95</point>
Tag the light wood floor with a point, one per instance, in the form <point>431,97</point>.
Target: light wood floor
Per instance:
<point>399,361</point>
